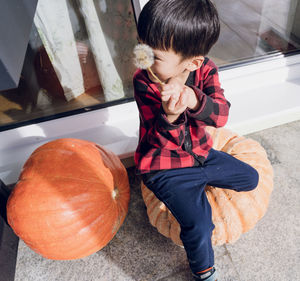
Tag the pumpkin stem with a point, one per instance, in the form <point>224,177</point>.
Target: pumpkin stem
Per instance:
<point>115,193</point>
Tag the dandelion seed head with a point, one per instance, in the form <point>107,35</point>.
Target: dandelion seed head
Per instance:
<point>143,56</point>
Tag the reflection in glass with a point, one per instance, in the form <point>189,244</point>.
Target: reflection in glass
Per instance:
<point>79,55</point>
<point>252,29</point>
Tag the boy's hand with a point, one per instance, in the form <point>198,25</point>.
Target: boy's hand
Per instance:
<point>173,99</point>
<point>172,88</point>
<point>176,97</point>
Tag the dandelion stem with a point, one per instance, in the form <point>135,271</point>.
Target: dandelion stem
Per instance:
<point>150,70</point>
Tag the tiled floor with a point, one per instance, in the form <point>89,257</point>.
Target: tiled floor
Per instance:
<point>269,252</point>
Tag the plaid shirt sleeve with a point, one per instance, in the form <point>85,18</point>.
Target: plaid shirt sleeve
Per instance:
<point>214,108</point>
<point>155,127</point>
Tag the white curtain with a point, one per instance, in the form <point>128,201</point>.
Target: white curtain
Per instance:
<point>54,27</point>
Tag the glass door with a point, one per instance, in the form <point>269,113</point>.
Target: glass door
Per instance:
<point>79,57</point>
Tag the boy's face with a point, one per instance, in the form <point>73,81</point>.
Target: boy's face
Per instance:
<point>168,64</point>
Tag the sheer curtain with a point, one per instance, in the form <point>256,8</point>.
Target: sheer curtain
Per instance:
<point>55,29</point>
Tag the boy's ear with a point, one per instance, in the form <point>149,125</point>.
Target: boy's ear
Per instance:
<point>195,63</point>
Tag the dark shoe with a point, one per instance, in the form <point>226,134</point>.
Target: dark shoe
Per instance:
<point>210,275</point>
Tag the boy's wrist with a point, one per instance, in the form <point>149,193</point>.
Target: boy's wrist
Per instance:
<point>172,117</point>
<point>193,102</point>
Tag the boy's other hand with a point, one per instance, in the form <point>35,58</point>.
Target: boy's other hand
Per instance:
<point>173,98</point>
<point>172,88</point>
<point>174,103</point>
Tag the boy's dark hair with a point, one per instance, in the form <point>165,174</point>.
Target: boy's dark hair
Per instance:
<point>189,27</point>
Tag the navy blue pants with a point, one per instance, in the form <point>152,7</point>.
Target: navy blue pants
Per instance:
<point>183,192</point>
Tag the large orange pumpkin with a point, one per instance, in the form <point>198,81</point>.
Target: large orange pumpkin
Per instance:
<point>233,213</point>
<point>71,198</point>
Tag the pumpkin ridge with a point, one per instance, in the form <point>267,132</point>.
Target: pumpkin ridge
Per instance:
<point>265,183</point>
<point>256,206</point>
<point>172,220</point>
<point>87,223</point>
<point>51,177</point>
<point>114,209</point>
<point>79,195</point>
<point>122,208</point>
<point>254,195</point>
<point>92,162</point>
<point>220,213</point>
<point>224,148</point>
<point>153,210</point>
<point>152,205</point>
<point>248,147</point>
<point>113,227</point>
<point>148,197</point>
<point>216,213</point>
<point>158,217</point>
<point>173,224</point>
<point>235,207</point>
<point>120,212</point>
<point>230,146</point>
<point>58,152</point>
<point>229,215</point>
<point>110,161</point>
<point>66,225</point>
<point>75,253</point>
<point>93,220</point>
<point>66,211</point>
<point>268,186</point>
<point>116,226</point>
<point>255,154</point>
<point>146,193</point>
<point>58,178</point>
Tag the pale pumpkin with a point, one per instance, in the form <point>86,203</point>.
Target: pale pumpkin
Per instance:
<point>233,213</point>
<point>71,198</point>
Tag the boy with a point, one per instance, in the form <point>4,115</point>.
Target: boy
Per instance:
<point>175,156</point>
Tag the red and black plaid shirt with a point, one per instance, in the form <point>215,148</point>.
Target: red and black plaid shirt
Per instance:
<point>184,143</point>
